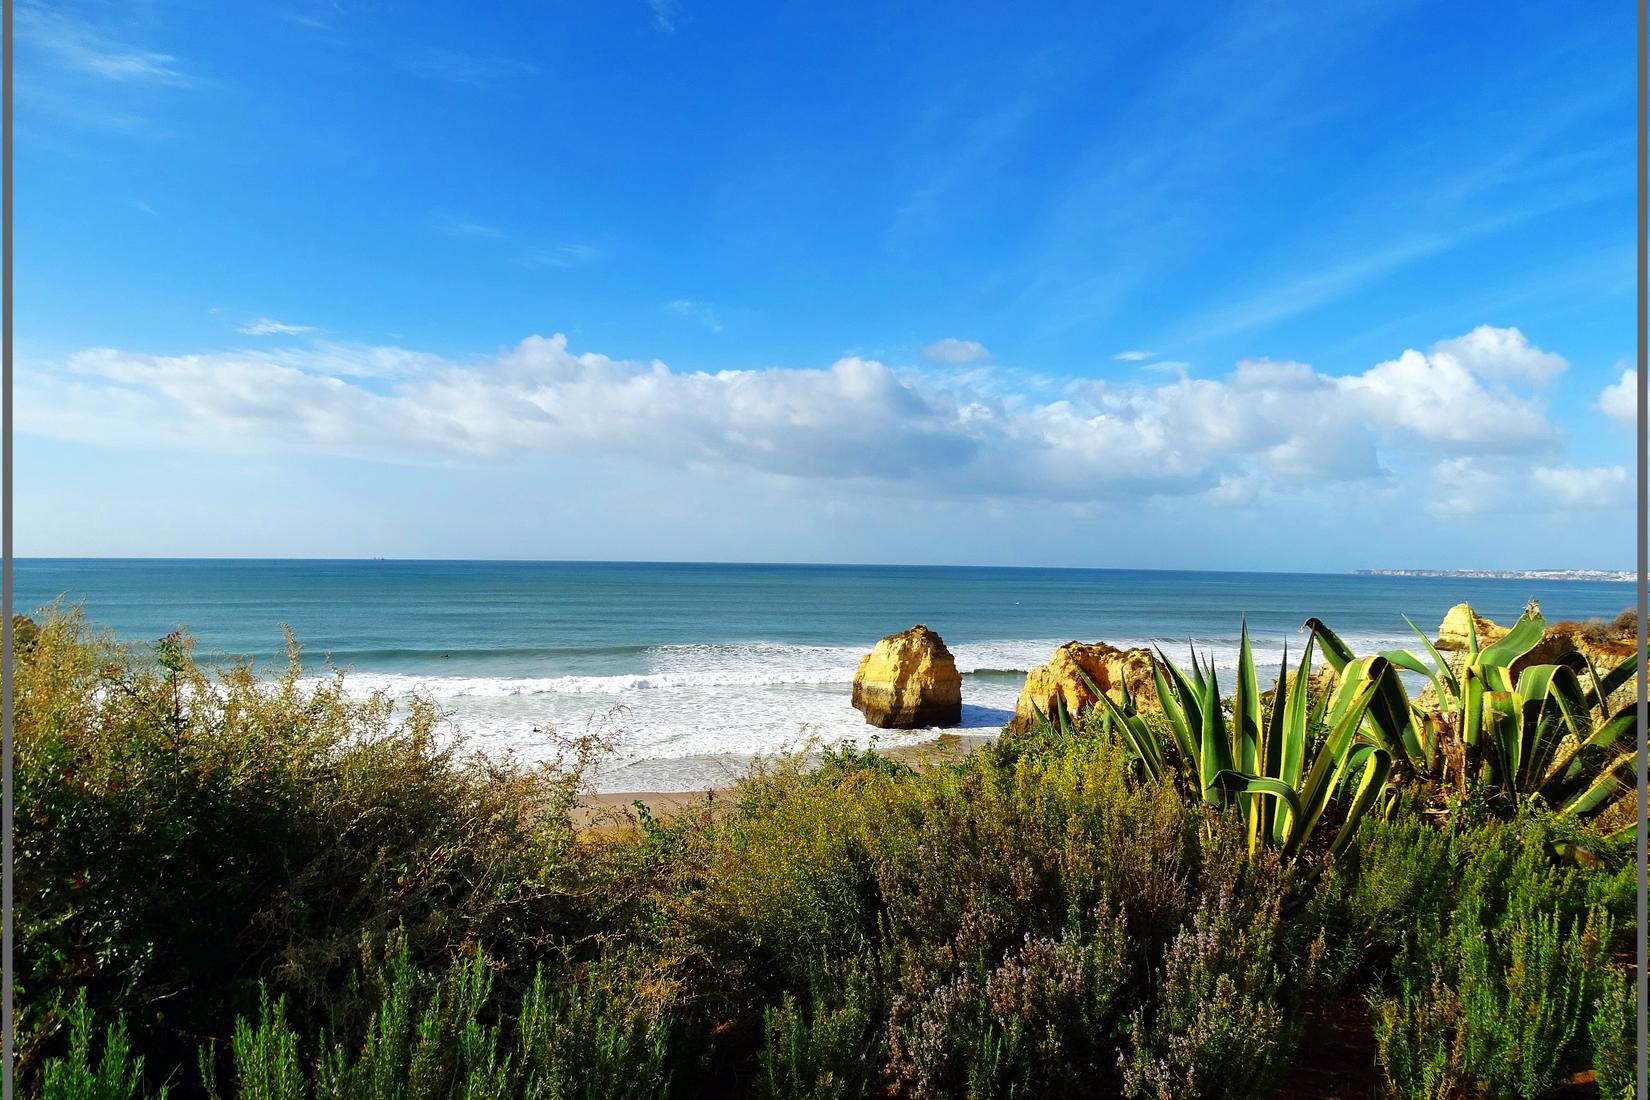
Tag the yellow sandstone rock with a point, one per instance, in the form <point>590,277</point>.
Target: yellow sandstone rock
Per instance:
<point>909,681</point>
<point>1452,632</point>
<point>1109,667</point>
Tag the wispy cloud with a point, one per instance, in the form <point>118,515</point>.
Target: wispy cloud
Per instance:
<point>265,326</point>
<point>561,255</point>
<point>953,350</point>
<point>84,48</point>
<point>525,255</point>
<point>701,313</point>
<point>1134,356</point>
<point>473,70</point>
<point>465,229</point>
<point>664,15</point>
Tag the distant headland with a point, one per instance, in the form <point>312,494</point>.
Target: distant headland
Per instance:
<point>1509,574</point>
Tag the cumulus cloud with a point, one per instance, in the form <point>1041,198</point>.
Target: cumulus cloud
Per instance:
<point>955,351</point>
<point>1265,426</point>
<point>1500,353</point>
<point>1463,394</point>
<point>1620,400</point>
<point>265,326</point>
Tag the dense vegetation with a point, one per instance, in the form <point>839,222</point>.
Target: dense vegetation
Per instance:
<point>257,890</point>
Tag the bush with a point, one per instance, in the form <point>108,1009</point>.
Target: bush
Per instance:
<point>325,892</point>
<point>830,1048</point>
<point>1221,1025</point>
<point>1612,1033</point>
<point>451,1039</point>
<point>182,838</point>
<point>113,1075</point>
<point>1037,1023</point>
<point>1497,1011</point>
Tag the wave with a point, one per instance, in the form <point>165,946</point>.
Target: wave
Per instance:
<point>776,665</point>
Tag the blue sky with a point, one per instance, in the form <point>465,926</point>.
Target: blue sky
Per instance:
<point>1249,286</point>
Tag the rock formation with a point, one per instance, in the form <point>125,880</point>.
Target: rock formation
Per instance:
<point>909,681</point>
<point>1109,667</point>
<point>1453,634</point>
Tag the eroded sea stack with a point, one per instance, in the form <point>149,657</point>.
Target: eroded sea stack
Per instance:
<point>1062,677</point>
<point>909,681</point>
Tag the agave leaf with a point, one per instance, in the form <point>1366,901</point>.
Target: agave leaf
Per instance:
<point>1613,782</point>
<point>1392,718</point>
<point>1245,789</point>
<point>1142,740</point>
<point>1316,787</point>
<point>1292,748</point>
<point>1246,733</point>
<point>1065,714</point>
<point>1570,775</point>
<point>1335,651</point>
<point>1472,707</point>
<point>1503,734</point>
<point>1551,704</point>
<point>1524,636</point>
<point>1216,746</point>
<point>1179,720</point>
<point>1372,777</point>
<point>1445,673</point>
<point>1613,680</point>
<point>1271,753</point>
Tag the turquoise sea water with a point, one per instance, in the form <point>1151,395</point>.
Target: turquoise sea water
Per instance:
<point>690,668</point>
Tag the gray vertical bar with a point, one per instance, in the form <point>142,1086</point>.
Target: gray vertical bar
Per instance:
<point>1644,559</point>
<point>8,1017</point>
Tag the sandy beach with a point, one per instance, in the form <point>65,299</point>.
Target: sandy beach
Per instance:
<point>609,809</point>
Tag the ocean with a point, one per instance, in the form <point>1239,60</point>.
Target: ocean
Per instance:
<point>690,670</point>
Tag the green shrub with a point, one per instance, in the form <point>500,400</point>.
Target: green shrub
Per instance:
<point>183,837</point>
<point>1497,1011</point>
<point>114,1075</point>
<point>1039,1022</point>
<point>1222,1024</point>
<point>829,1049</point>
<point>450,1039</point>
<point>1612,1031</point>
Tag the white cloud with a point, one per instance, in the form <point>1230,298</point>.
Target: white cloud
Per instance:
<point>1264,427</point>
<point>1133,356</point>
<point>1461,396</point>
<point>955,351</point>
<point>265,326</point>
<point>1500,353</point>
<point>1578,488</point>
<point>1620,400</point>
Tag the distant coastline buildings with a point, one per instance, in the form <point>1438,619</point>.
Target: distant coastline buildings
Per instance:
<point>1509,574</point>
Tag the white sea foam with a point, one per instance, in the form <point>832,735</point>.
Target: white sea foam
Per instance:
<point>714,706</point>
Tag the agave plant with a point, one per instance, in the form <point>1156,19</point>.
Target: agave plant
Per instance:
<point>1259,760</point>
<point>1542,730</point>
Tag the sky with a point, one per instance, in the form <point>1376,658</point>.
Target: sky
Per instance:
<point>1261,286</point>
